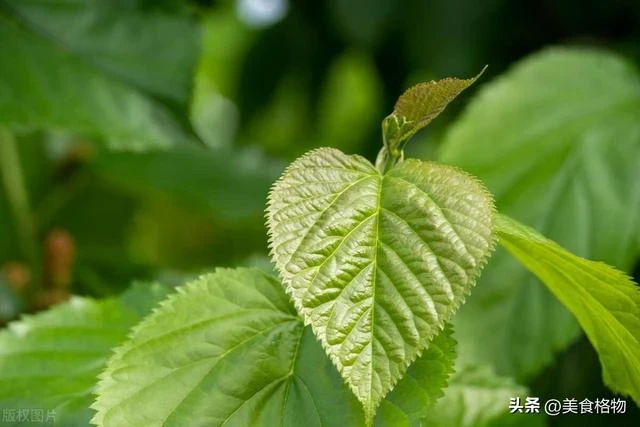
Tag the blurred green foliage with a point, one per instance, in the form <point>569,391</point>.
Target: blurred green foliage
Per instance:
<point>230,96</point>
<point>68,345</point>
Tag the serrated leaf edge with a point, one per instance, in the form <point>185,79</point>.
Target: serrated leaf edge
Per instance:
<point>166,306</point>
<point>455,307</point>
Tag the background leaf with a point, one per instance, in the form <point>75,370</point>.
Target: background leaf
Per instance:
<point>557,141</point>
<point>124,39</point>
<point>46,86</point>
<point>350,104</point>
<point>224,42</point>
<point>377,264</point>
<point>424,382</point>
<point>605,301</point>
<point>477,397</point>
<point>233,337</point>
<point>51,360</point>
<point>231,184</point>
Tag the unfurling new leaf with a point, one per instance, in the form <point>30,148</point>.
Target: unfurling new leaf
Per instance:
<point>415,109</point>
<point>377,263</point>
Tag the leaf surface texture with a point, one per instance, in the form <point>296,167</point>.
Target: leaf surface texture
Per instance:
<point>604,300</point>
<point>377,263</point>
<point>228,349</point>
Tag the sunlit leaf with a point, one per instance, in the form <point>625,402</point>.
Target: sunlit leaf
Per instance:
<point>377,264</point>
<point>229,349</point>
<point>604,300</point>
<point>557,141</point>
<point>51,360</point>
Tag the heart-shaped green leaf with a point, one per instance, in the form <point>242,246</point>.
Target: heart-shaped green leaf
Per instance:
<point>377,263</point>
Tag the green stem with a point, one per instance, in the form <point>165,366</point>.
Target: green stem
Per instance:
<point>387,160</point>
<point>394,138</point>
<point>14,185</point>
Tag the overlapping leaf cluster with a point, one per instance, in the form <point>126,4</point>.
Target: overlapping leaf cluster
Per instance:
<point>374,261</point>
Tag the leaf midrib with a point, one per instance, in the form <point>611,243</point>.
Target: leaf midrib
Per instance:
<point>206,360</point>
<point>371,404</point>
<point>321,214</point>
<point>290,374</point>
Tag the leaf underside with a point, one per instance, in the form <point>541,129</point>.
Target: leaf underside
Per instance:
<point>377,264</point>
<point>229,349</point>
<point>604,300</point>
